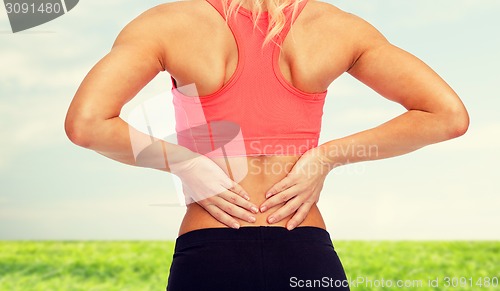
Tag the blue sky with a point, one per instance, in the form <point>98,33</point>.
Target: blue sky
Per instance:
<point>52,189</point>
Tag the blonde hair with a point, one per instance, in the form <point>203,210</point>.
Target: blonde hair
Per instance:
<point>276,16</point>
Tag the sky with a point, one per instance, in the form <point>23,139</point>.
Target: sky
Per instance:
<point>51,189</point>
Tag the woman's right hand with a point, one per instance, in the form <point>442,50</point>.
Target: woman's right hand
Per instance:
<point>205,183</point>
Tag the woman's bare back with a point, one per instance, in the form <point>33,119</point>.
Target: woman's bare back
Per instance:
<point>191,41</point>
<point>205,53</point>
<point>315,52</point>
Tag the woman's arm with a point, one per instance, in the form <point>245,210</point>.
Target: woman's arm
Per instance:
<point>434,113</point>
<point>93,119</point>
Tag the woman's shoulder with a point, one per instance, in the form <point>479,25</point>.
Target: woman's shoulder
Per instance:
<point>176,12</point>
<point>187,7</point>
<point>343,24</point>
<point>330,14</point>
<point>320,9</point>
<point>170,20</point>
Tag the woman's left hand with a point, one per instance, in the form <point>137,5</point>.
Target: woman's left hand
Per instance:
<point>300,188</point>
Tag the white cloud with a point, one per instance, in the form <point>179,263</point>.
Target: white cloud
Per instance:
<point>30,125</point>
<point>31,73</point>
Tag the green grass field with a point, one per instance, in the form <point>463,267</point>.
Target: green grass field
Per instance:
<point>144,265</point>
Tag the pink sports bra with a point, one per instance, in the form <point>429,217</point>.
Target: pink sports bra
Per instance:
<point>257,112</point>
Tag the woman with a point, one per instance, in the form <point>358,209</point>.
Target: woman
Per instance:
<point>252,222</point>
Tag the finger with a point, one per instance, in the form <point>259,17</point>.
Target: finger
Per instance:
<point>233,198</point>
<point>285,183</point>
<point>236,188</point>
<point>300,215</point>
<point>197,195</point>
<point>279,198</point>
<point>220,215</point>
<point>285,210</point>
<point>233,210</point>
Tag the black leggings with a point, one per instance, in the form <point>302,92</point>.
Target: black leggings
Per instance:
<point>256,258</point>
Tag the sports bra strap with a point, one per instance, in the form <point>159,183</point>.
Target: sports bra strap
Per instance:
<point>289,21</point>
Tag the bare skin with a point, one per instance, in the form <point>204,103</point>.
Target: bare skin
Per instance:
<point>191,41</point>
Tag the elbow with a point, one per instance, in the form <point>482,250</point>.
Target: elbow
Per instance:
<point>461,126</point>
<point>456,122</point>
<point>78,129</point>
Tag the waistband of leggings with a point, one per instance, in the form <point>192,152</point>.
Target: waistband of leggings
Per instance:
<point>253,233</point>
